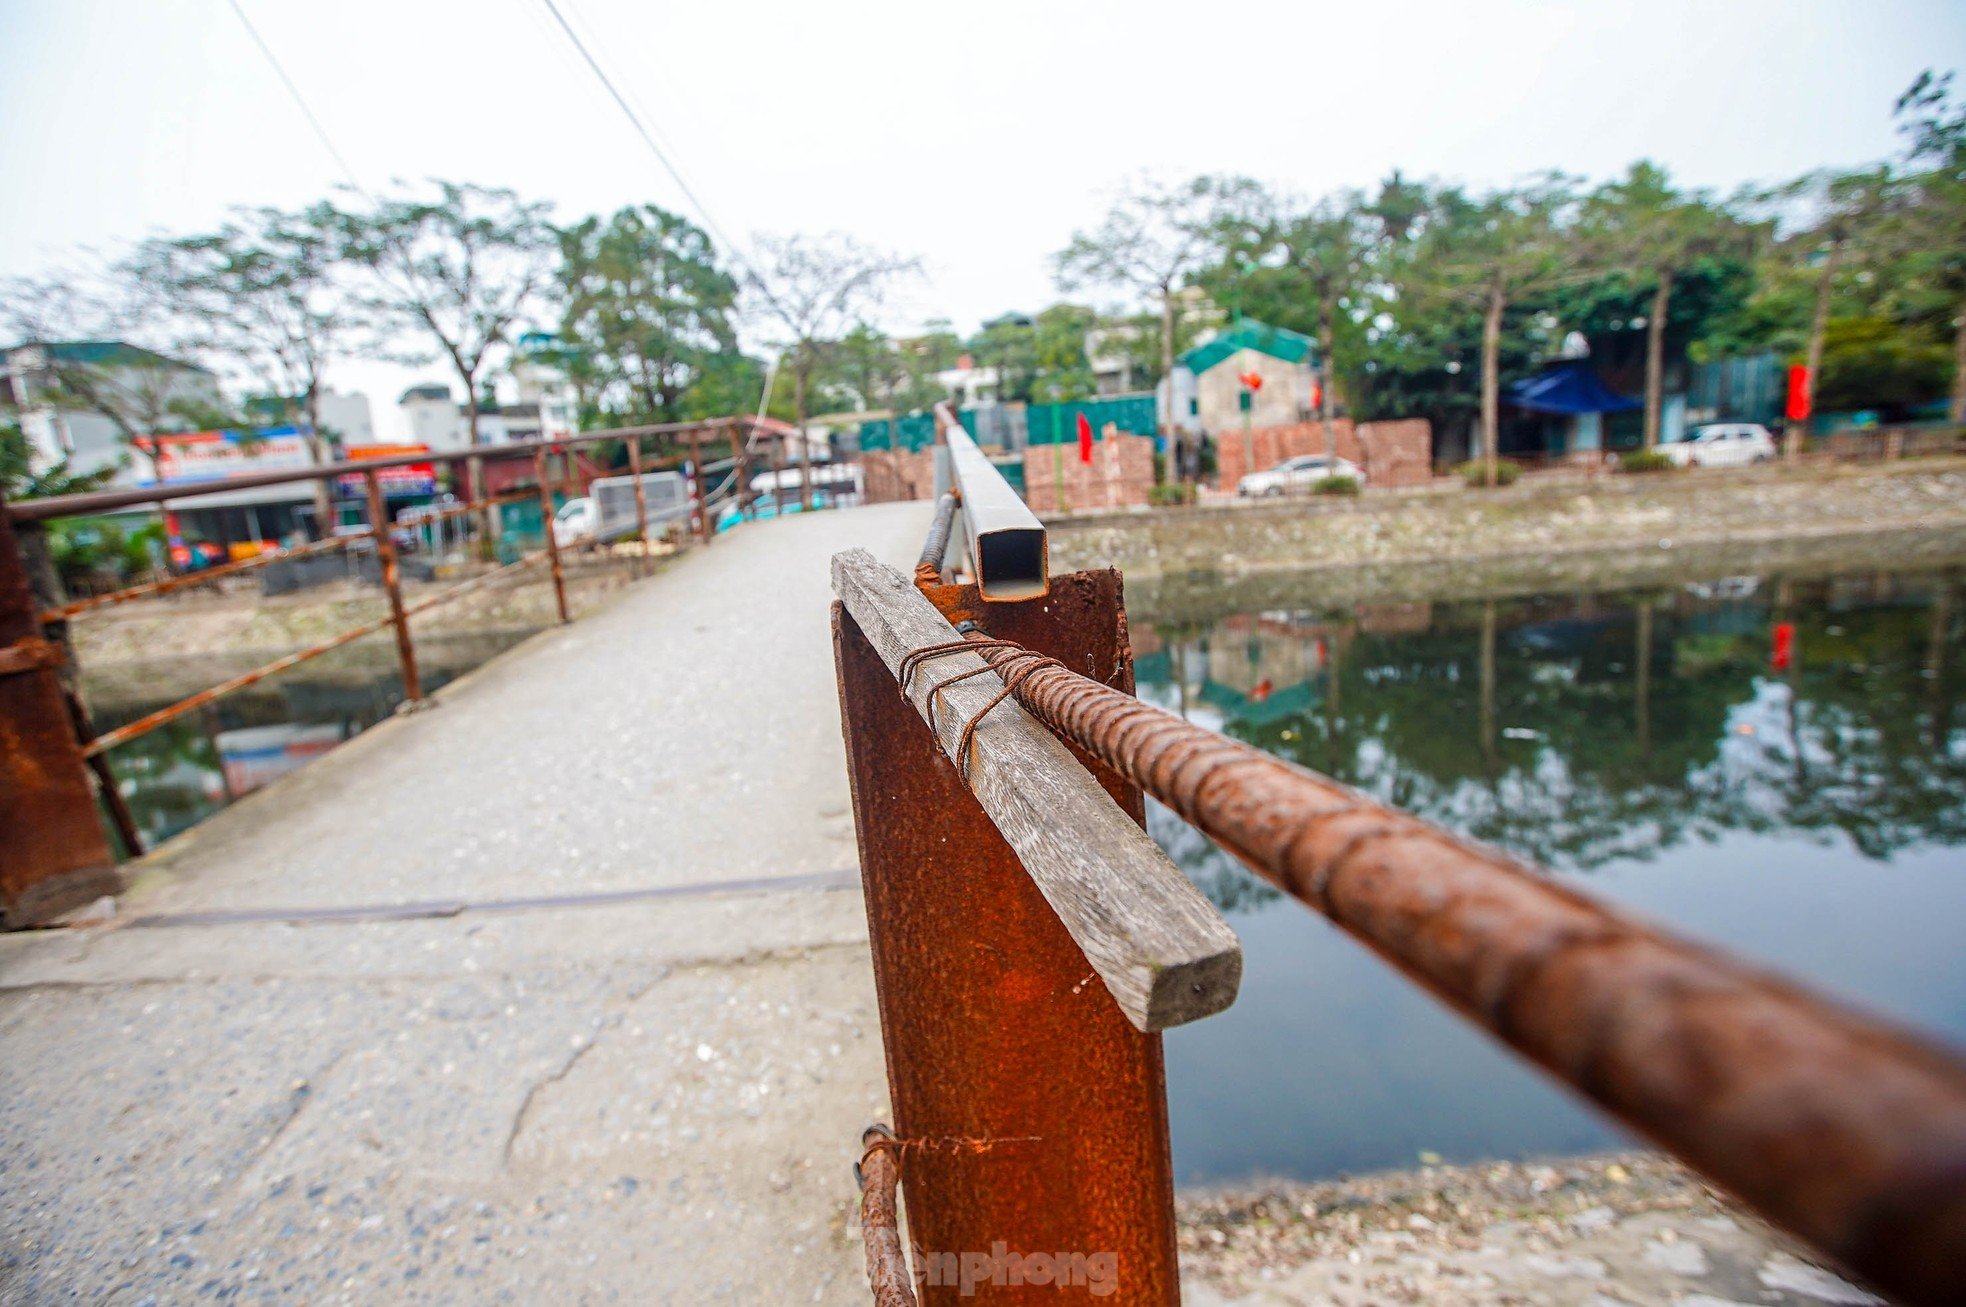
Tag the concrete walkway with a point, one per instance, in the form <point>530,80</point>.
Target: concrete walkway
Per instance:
<point>657,1100</point>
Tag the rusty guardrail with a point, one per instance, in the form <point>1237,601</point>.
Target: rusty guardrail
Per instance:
<point>1841,1128</point>
<point>54,771</point>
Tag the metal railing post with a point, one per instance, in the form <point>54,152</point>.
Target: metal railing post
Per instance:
<point>392,585</point>
<point>741,487</point>
<point>54,853</point>
<point>1032,1114</point>
<point>702,485</point>
<point>552,543</point>
<point>641,496</point>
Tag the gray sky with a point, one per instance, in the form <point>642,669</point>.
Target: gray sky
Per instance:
<point>976,136</point>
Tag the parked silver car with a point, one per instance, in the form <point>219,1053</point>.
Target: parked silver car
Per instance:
<point>1298,475</point>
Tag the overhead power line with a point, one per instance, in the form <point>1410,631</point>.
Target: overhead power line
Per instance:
<point>648,137</point>
<point>320,132</point>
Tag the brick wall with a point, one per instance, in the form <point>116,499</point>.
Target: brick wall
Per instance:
<point>1119,476</point>
<point>1392,453</point>
<point>890,475</point>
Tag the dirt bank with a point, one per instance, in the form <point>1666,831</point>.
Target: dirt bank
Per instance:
<point>1652,523</point>
<point>1599,1231</point>
<point>241,628</point>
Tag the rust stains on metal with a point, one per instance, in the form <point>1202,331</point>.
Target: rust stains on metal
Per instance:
<point>1847,1132</point>
<point>202,577</point>
<point>385,547</point>
<point>990,1027</point>
<point>880,1230</point>
<point>53,853</point>
<point>552,540</point>
<point>30,653</point>
<point>928,571</point>
<point>170,713</point>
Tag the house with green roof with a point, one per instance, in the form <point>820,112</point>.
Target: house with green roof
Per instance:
<point>1208,390</point>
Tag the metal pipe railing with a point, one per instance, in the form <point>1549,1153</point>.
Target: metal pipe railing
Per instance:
<point>1008,550</point>
<point>1846,1131</point>
<point>928,569</point>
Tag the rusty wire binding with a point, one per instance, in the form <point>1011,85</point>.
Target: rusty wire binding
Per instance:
<point>1022,662</point>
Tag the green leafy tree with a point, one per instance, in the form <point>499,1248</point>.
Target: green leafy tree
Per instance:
<point>1503,247</point>
<point>647,311</point>
<point>1321,254</point>
<point>1840,213</point>
<point>1151,243</point>
<point>1656,233</point>
<point>1058,336</point>
<point>1928,224</point>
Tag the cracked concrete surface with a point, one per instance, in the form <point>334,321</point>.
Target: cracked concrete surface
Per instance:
<point>650,1102</point>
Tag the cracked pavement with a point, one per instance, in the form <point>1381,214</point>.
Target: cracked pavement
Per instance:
<point>650,1101</point>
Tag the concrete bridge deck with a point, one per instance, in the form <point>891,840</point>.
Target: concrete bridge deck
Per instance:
<point>647,1098</point>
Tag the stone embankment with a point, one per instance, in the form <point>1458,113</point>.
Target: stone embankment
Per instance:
<point>1649,526</point>
<point>1583,1232</point>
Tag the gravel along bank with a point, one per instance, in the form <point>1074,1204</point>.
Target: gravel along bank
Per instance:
<point>1665,513</point>
<point>1607,1231</point>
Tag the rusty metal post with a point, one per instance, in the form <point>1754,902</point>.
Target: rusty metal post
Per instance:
<point>641,495</point>
<point>54,853</point>
<point>552,542</point>
<point>702,485</point>
<point>477,490</point>
<point>741,487</point>
<point>392,585</point>
<point>1033,1116</point>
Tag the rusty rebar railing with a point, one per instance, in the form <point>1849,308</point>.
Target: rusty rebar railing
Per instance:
<point>1844,1130</point>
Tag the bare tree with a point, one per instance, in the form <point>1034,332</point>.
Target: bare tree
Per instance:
<point>462,270</point>
<point>262,295</point>
<point>1152,241</point>
<point>814,290</point>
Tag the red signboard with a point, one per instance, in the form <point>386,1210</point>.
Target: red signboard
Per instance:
<point>408,479</point>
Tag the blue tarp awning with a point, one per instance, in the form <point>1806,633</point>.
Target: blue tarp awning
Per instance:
<point>1571,386</point>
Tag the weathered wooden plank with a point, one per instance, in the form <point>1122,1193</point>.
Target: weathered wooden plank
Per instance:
<point>1164,953</point>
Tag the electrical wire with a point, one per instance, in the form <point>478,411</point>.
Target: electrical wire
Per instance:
<point>648,138</point>
<point>299,100</point>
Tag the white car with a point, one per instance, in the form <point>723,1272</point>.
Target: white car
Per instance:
<point>1723,444</point>
<point>1298,475</point>
<point>578,520</point>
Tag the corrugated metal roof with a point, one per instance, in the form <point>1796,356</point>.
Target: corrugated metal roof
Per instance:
<point>1248,333</point>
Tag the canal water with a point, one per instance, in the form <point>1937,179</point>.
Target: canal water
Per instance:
<point>1774,765</point>
<point>185,770</point>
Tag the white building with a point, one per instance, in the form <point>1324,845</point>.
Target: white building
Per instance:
<point>968,385</point>
<point>347,418</point>
<point>141,381</point>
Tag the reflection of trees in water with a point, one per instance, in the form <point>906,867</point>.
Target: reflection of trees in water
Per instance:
<point>1579,732</point>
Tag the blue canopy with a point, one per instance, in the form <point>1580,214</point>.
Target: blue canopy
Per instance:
<point>1570,386</point>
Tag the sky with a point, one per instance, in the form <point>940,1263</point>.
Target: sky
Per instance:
<point>976,137</point>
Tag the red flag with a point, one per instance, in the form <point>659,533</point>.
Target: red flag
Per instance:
<point>1784,651</point>
<point>1085,439</point>
<point>1798,405</point>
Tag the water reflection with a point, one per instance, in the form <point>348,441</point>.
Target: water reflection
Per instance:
<point>1732,755</point>
<point>184,771</point>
